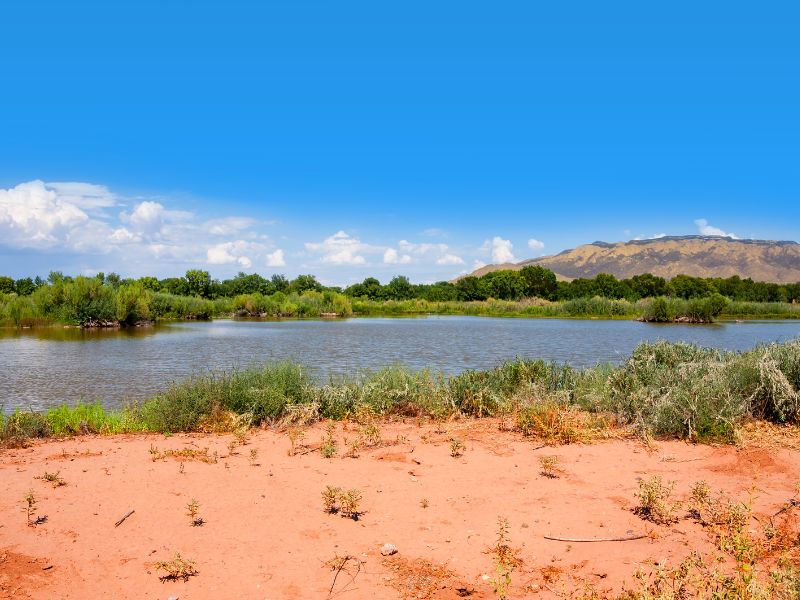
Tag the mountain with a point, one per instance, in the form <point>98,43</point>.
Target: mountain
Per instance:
<point>696,255</point>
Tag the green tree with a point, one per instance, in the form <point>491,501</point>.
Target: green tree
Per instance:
<point>538,281</point>
<point>149,283</point>
<point>399,288</point>
<point>469,289</point>
<point>647,285</point>
<point>24,286</point>
<point>198,282</point>
<point>6,285</point>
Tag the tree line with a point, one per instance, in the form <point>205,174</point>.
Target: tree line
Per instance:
<point>530,281</point>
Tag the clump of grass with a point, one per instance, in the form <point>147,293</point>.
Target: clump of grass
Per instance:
<point>424,503</point>
<point>330,499</point>
<point>253,457</point>
<point>330,446</point>
<point>654,501</point>
<point>53,478</point>
<point>345,502</point>
<point>456,447</point>
<point>550,466</point>
<point>350,504</point>
<point>193,512</point>
<point>176,568</point>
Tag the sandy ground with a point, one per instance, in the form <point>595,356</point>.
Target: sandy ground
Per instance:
<point>267,536</point>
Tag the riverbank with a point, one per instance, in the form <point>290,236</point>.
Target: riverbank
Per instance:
<point>248,518</point>
<point>671,390</point>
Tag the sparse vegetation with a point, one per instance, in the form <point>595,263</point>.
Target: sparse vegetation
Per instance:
<point>329,447</point>
<point>176,568</point>
<point>330,499</point>
<point>29,503</point>
<point>550,466</point>
<point>345,502</point>
<point>505,560</point>
<point>193,512</point>
<point>53,478</point>
<point>254,457</point>
<point>456,447</point>
<point>655,502</point>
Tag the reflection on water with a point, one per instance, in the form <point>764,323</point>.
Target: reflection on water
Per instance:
<point>46,366</point>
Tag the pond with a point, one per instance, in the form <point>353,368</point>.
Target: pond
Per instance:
<point>48,366</point>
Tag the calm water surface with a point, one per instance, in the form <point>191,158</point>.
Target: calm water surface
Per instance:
<point>39,368</point>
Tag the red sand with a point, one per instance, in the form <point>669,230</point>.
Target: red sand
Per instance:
<point>266,535</point>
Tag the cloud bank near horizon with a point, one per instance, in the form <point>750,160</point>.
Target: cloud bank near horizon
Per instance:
<point>87,227</point>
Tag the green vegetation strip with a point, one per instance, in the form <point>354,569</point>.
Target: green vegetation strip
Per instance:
<point>530,292</point>
<point>663,389</point>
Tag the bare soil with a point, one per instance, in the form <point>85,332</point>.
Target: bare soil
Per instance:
<point>265,533</point>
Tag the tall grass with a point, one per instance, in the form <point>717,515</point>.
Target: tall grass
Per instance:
<point>663,389</point>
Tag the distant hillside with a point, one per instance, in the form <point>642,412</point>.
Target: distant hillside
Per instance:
<point>696,255</point>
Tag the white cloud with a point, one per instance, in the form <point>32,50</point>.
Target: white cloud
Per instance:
<point>341,249</point>
<point>123,236</point>
<point>33,215</point>
<point>655,236</point>
<point>228,225</point>
<point>88,196</point>
<point>228,253</point>
<point>478,265</point>
<point>502,251</point>
<point>75,218</point>
<point>704,228</point>
<point>275,259</point>
<point>534,244</point>
<point>147,217</point>
<point>391,257</point>
<point>450,259</point>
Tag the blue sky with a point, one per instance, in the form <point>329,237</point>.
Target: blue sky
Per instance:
<point>348,139</point>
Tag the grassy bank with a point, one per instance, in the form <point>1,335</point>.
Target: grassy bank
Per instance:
<point>87,301</point>
<point>660,309</point>
<point>663,389</point>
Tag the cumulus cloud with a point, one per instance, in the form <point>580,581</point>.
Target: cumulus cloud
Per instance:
<point>340,249</point>
<point>275,259</point>
<point>449,259</point>
<point>235,252</point>
<point>502,251</point>
<point>391,257</point>
<point>704,228</point>
<point>33,215</point>
<point>147,217</point>
<point>536,245</point>
<point>80,218</point>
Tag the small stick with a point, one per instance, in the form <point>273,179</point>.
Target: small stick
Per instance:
<point>612,539</point>
<point>128,514</point>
